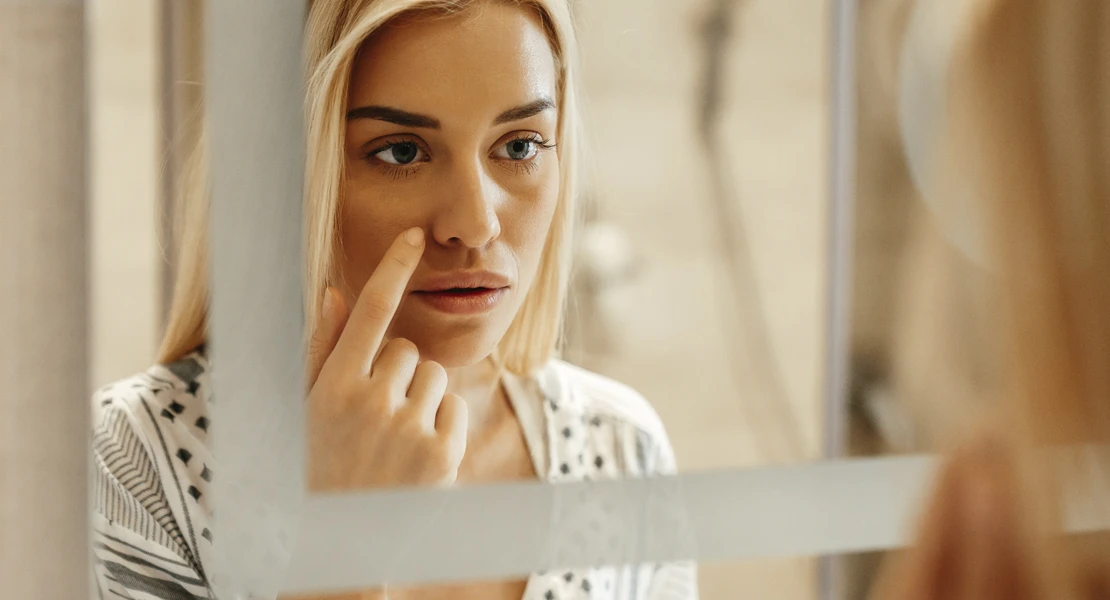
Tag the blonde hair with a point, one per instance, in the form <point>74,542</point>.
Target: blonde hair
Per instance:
<point>335,31</point>
<point>1037,94</point>
<point>1029,131</point>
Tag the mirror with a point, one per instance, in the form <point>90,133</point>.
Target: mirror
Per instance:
<point>705,208</point>
<point>917,295</point>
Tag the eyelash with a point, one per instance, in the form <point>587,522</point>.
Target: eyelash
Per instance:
<point>404,171</point>
<point>395,171</point>
<point>528,166</point>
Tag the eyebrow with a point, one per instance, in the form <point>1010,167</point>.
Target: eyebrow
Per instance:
<point>520,113</point>
<point>408,119</point>
<point>393,115</point>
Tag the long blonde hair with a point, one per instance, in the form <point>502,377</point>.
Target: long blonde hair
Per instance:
<point>1029,136</point>
<point>335,30</point>
<point>1036,87</point>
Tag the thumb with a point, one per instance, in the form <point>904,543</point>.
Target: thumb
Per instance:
<point>333,317</point>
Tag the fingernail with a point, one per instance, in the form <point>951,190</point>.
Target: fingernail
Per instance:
<point>415,236</point>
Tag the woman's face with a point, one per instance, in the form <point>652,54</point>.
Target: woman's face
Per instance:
<point>450,127</point>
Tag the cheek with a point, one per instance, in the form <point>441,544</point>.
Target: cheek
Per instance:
<point>531,220</point>
<point>366,229</point>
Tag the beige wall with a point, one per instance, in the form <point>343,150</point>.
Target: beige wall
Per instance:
<point>642,69</point>
<point>675,326</point>
<point>43,353</point>
<point>126,153</point>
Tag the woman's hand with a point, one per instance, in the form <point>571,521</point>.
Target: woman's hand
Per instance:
<point>377,415</point>
<point>974,543</point>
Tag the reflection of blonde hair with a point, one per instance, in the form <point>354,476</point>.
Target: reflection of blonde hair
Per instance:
<point>1038,97</point>
<point>335,31</point>
<point>1030,128</point>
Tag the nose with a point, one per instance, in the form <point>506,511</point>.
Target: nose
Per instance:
<point>467,216</point>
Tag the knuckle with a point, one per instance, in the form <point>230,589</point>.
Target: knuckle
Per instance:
<point>401,259</point>
<point>378,305</point>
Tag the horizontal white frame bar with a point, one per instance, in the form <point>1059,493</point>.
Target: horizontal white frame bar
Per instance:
<point>473,533</point>
<point>363,540</point>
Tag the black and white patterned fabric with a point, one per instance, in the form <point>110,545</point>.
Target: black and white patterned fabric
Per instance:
<point>153,534</point>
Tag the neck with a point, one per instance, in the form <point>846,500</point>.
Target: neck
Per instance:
<point>480,386</point>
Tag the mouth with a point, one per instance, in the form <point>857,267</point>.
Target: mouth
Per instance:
<point>463,293</point>
<point>458,291</point>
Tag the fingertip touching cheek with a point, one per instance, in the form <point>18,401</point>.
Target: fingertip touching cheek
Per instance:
<point>451,127</point>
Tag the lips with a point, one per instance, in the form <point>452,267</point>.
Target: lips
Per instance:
<point>462,282</point>
<point>464,293</point>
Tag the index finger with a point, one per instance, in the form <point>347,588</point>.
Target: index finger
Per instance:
<point>378,302</point>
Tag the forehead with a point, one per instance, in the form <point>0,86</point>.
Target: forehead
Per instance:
<point>489,57</point>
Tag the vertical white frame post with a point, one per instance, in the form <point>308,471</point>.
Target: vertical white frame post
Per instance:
<point>254,95</point>
<point>840,232</point>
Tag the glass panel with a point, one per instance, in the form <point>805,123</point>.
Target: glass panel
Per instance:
<point>917,289</point>
<point>255,322</point>
<point>700,270</point>
<point>705,249</point>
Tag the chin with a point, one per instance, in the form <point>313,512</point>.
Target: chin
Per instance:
<point>455,355</point>
<point>453,347</point>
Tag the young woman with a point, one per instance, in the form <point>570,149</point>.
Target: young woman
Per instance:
<point>1029,128</point>
<point>439,208</point>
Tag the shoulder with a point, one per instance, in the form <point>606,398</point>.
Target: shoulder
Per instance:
<point>153,462</point>
<point>164,400</point>
<point>605,398</point>
<point>616,413</point>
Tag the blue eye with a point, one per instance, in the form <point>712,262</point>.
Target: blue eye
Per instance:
<point>399,153</point>
<point>520,149</point>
